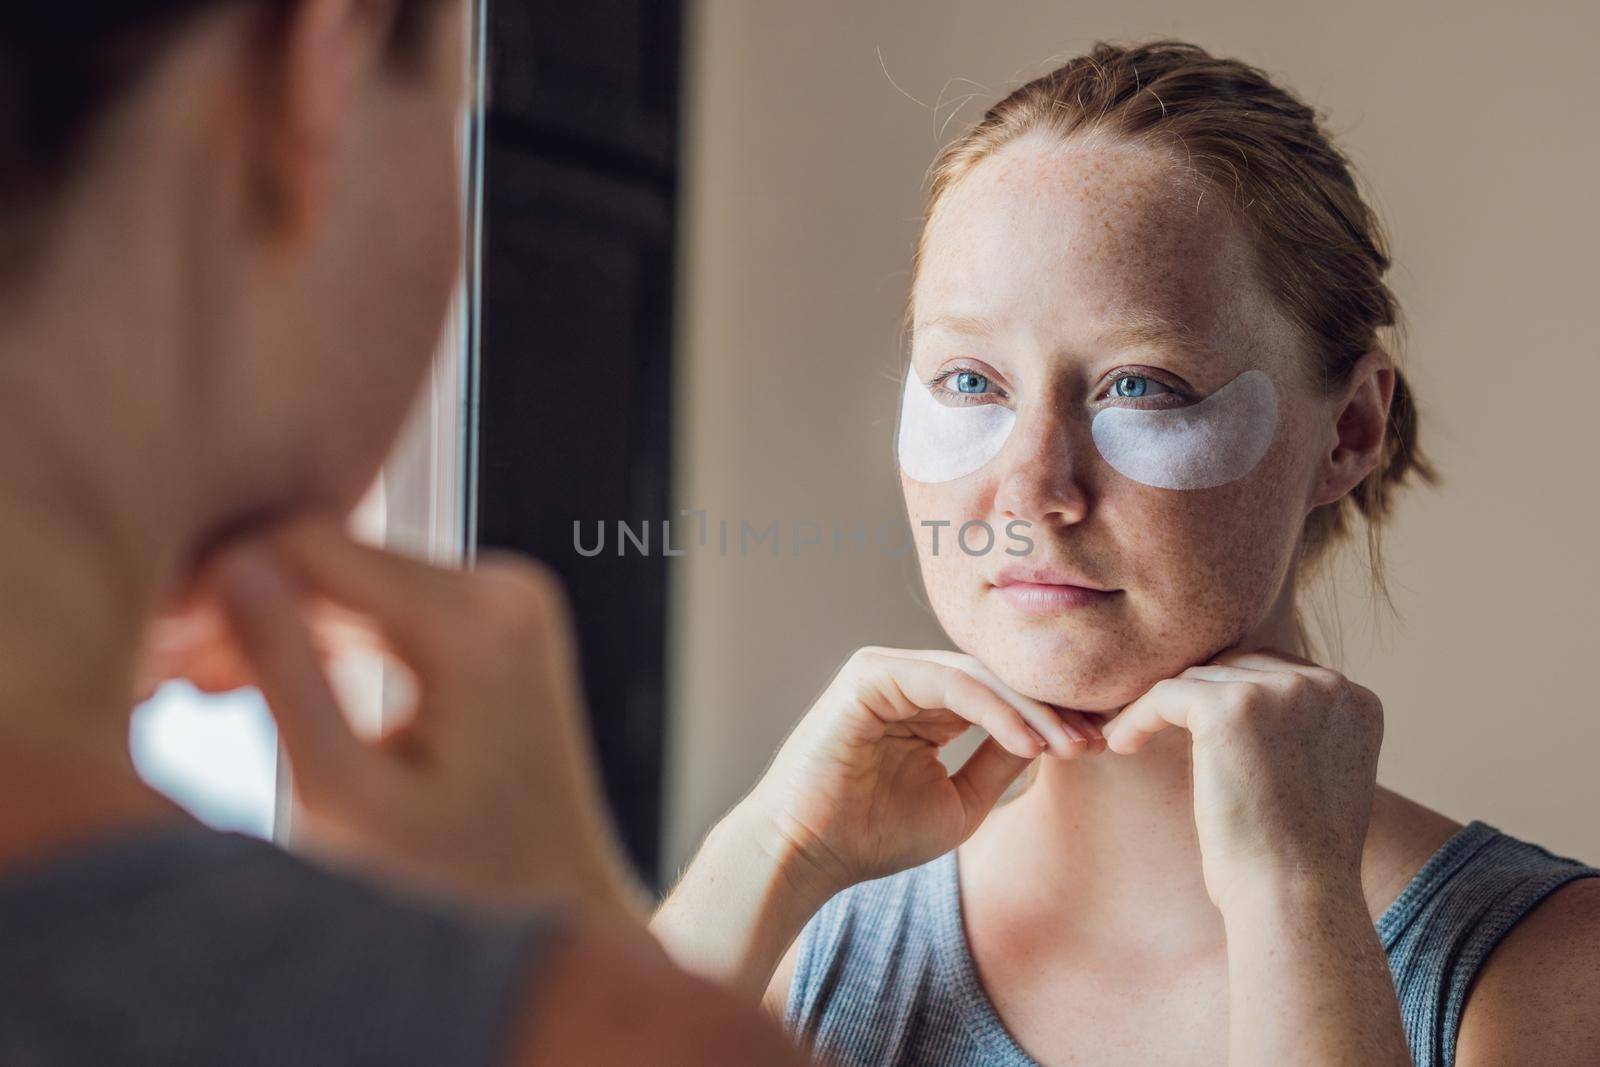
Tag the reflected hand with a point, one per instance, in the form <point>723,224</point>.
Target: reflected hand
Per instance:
<point>1285,767</point>
<point>858,790</point>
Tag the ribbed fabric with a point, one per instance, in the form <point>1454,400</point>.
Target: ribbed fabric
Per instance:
<point>184,947</point>
<point>1441,928</point>
<point>884,976</point>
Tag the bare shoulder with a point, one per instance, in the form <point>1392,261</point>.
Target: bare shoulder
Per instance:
<point>611,996</point>
<point>1403,835</point>
<point>1537,997</point>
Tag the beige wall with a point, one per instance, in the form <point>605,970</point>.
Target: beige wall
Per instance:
<point>1476,128</point>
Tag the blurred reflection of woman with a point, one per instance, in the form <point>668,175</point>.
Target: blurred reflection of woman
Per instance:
<point>1217,878</point>
<point>228,237</point>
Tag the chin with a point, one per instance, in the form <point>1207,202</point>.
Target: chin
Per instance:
<point>1057,672</point>
<point>341,481</point>
<point>1096,670</point>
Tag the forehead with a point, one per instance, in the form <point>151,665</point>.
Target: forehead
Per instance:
<point>1068,242</point>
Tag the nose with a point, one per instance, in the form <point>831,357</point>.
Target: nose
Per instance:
<point>1041,469</point>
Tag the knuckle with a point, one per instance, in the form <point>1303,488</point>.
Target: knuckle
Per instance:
<point>862,663</point>
<point>1297,685</point>
<point>860,676</point>
<point>521,598</point>
<point>1244,699</point>
<point>963,686</point>
<point>1368,704</point>
<point>1327,679</point>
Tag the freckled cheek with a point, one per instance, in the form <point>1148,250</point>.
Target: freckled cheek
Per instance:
<point>954,502</point>
<point>951,574</point>
<point>1220,551</point>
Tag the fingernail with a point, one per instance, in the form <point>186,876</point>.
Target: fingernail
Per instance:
<point>1036,736</point>
<point>1074,733</point>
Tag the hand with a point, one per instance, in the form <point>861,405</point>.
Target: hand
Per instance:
<point>488,787</point>
<point>191,641</point>
<point>858,790</point>
<point>1285,767</point>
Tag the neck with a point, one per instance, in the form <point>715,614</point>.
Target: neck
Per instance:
<point>97,494</point>
<point>80,573</point>
<point>1108,844</point>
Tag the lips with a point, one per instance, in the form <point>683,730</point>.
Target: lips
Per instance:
<point>1019,575</point>
<point>1049,590</point>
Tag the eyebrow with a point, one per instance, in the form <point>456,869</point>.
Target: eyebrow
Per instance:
<point>1154,331</point>
<point>970,325</point>
<point>1145,329</point>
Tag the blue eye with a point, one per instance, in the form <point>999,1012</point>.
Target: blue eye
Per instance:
<point>1133,385</point>
<point>970,381</point>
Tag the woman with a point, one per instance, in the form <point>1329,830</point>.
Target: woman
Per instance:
<point>1146,322</point>
<point>220,295</point>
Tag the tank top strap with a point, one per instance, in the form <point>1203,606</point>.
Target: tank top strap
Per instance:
<point>1441,929</point>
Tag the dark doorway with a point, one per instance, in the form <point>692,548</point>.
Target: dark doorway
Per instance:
<point>575,353</point>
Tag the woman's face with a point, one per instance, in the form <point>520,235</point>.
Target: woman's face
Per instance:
<point>1048,273</point>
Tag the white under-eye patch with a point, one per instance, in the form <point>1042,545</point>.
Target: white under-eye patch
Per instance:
<point>941,442</point>
<point>1218,440</point>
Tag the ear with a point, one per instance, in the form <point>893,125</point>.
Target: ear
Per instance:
<point>1362,420</point>
<point>324,52</point>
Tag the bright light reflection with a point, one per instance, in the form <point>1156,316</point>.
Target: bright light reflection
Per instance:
<point>214,755</point>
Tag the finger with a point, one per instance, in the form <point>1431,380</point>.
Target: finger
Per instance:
<point>1216,672</point>
<point>1088,726</point>
<point>1170,702</point>
<point>1265,669</point>
<point>412,603</point>
<point>337,631</point>
<point>1065,741</point>
<point>198,646</point>
<point>1083,723</point>
<point>983,780</point>
<point>264,614</point>
<point>1061,740</point>
<point>913,685</point>
<point>1267,660</point>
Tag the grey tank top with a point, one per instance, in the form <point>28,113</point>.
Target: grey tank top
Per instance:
<point>883,975</point>
<point>183,946</point>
